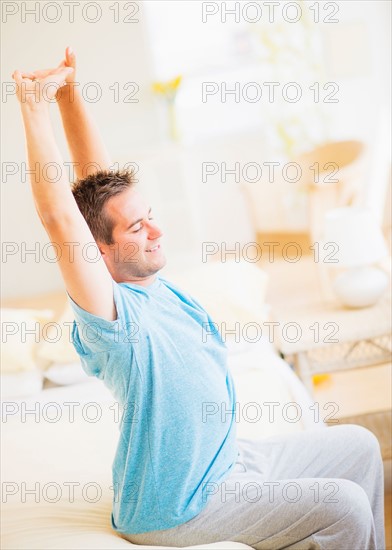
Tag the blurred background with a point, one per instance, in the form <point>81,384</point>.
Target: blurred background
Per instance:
<point>195,96</point>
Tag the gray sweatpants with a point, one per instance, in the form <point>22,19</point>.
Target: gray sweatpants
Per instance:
<point>315,489</point>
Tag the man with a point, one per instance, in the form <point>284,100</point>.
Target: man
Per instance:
<point>179,478</point>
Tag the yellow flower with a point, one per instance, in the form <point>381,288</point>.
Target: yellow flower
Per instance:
<point>167,88</point>
<point>175,83</point>
<point>158,88</point>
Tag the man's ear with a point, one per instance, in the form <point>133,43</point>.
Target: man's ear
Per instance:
<point>102,248</point>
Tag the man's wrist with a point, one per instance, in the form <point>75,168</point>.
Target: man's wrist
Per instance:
<point>31,107</point>
<point>67,94</point>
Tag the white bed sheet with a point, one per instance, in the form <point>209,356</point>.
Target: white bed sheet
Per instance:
<point>52,456</point>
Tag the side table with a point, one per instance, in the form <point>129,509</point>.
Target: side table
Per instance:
<point>319,336</point>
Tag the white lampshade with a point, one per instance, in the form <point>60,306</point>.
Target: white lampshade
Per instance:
<point>357,234</point>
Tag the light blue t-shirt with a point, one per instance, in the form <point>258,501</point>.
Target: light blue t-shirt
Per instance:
<point>170,377</point>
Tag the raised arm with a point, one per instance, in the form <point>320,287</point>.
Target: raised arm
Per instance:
<point>85,143</point>
<point>88,283</point>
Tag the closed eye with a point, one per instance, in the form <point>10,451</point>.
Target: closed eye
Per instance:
<point>140,228</point>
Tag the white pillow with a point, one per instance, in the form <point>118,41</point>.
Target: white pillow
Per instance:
<point>66,374</point>
<point>57,346</point>
<point>21,384</point>
<point>230,292</point>
<point>21,334</point>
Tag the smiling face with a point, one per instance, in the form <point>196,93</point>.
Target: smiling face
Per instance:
<point>136,254</point>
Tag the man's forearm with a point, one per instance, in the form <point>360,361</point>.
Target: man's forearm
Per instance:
<point>52,194</point>
<point>86,146</point>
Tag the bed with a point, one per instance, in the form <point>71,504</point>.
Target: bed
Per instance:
<point>56,459</point>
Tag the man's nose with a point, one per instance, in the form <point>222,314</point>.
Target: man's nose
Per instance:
<point>153,230</point>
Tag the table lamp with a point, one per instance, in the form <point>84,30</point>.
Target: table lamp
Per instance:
<point>360,245</point>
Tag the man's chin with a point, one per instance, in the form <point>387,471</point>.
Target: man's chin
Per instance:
<point>161,265</point>
<point>157,264</point>
<point>146,269</point>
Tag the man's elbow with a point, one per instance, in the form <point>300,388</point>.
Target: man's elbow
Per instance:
<point>53,219</point>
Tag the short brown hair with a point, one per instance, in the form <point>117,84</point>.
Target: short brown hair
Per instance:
<point>92,193</point>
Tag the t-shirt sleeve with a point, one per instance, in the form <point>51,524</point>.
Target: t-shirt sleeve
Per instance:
<point>92,334</point>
